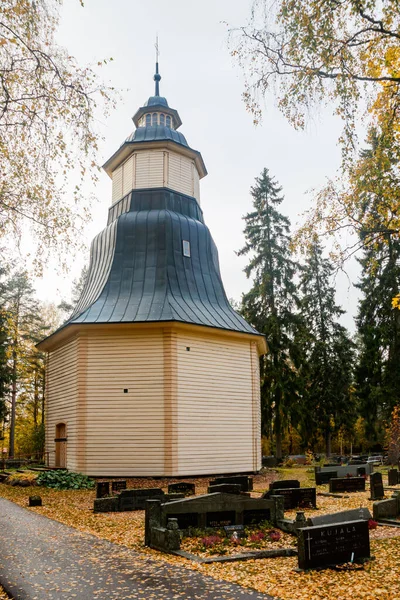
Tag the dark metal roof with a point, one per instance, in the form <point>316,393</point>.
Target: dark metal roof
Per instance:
<point>156,101</point>
<point>139,273</point>
<point>156,133</point>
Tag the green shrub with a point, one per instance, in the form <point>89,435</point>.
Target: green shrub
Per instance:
<point>64,480</point>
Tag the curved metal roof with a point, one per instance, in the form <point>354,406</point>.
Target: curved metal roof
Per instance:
<point>146,276</point>
<point>156,101</point>
<point>156,133</point>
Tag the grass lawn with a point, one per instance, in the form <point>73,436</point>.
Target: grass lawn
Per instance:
<point>378,580</point>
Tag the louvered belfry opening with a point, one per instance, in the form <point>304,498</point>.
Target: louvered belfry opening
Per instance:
<point>135,400</point>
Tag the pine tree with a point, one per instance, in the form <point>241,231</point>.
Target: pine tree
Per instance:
<point>270,306</point>
<point>328,350</point>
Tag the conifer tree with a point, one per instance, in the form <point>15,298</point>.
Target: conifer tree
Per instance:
<point>270,305</point>
<point>378,322</point>
<point>328,350</point>
<point>24,316</point>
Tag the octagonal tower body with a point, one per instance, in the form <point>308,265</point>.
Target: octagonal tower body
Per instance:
<point>154,373</point>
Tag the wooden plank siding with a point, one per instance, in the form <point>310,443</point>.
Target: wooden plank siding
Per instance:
<point>125,431</point>
<point>62,400</point>
<point>186,412</point>
<point>153,169</point>
<point>218,405</point>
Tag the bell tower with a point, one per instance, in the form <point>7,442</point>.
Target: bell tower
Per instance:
<point>154,373</point>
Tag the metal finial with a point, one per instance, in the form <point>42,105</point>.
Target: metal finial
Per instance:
<point>157,76</point>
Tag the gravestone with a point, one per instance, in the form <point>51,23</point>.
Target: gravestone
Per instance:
<point>235,529</point>
<point>295,497</point>
<point>347,484</point>
<point>225,488</point>
<point>182,487</point>
<point>118,485</point>
<point>219,510</point>
<point>136,499</point>
<point>361,472</point>
<point>329,545</point>
<point>323,477</point>
<point>102,489</point>
<point>284,483</point>
<point>330,464</point>
<point>386,509</point>
<point>244,481</point>
<point>354,514</point>
<point>35,501</point>
<point>376,486</point>
<point>393,477</point>
<point>105,504</point>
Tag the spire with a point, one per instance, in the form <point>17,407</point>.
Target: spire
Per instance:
<point>157,76</point>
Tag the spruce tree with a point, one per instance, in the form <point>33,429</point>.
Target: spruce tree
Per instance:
<point>270,305</point>
<point>329,353</point>
<point>378,323</point>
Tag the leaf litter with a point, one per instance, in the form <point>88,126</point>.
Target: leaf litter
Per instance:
<point>378,580</point>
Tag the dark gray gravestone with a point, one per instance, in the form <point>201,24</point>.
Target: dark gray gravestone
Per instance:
<point>347,484</point>
<point>225,488</point>
<point>102,489</point>
<point>295,497</point>
<point>284,483</point>
<point>217,510</point>
<point>244,481</point>
<point>361,472</point>
<point>354,514</point>
<point>136,499</point>
<point>393,477</point>
<point>105,505</point>
<point>182,487</point>
<point>330,464</point>
<point>117,486</point>
<point>323,477</point>
<point>386,509</point>
<point>376,486</point>
<point>35,501</point>
<point>333,544</point>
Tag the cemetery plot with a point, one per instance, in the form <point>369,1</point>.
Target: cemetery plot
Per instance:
<point>347,484</point>
<point>329,545</point>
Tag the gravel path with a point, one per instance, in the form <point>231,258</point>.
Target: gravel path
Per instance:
<point>41,559</point>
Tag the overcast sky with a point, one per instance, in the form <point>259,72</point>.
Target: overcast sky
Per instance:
<point>201,80</point>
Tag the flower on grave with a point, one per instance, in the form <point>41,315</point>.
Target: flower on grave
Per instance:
<point>372,524</point>
<point>257,536</point>
<point>274,535</point>
<point>211,540</point>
